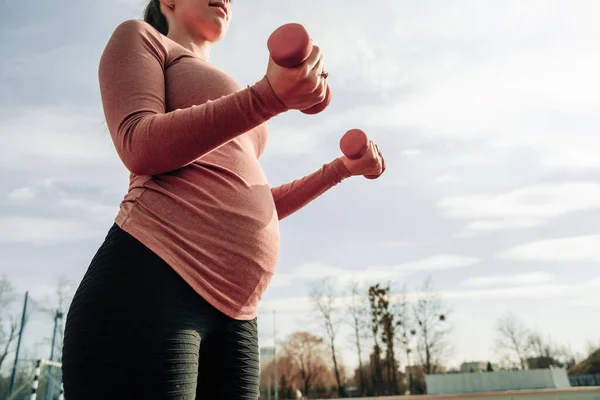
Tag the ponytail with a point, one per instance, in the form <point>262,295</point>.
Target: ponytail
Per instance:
<point>154,17</point>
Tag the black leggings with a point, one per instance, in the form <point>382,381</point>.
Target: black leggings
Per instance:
<point>134,331</point>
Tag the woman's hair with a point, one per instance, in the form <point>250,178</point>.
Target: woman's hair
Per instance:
<point>154,17</point>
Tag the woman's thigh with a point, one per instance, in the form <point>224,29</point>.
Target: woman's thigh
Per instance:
<point>133,329</point>
<point>229,363</point>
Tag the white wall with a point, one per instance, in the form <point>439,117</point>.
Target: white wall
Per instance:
<point>480,382</point>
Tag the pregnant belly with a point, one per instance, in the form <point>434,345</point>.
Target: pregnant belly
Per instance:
<point>227,215</point>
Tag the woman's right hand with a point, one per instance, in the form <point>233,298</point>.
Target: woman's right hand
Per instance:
<point>299,87</point>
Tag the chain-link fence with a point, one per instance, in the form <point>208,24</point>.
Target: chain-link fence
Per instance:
<point>40,338</point>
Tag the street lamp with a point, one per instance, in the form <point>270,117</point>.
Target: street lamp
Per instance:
<point>276,380</point>
<point>14,369</point>
<point>275,374</point>
<point>57,315</point>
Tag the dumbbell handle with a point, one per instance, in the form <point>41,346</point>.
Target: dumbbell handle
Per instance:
<point>290,45</point>
<point>354,144</point>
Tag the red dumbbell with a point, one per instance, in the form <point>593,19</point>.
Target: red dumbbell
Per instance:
<point>290,46</point>
<point>354,144</point>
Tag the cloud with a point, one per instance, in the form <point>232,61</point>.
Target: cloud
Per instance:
<point>394,244</point>
<point>503,224</point>
<point>468,80</point>
<point>516,292</point>
<point>45,231</point>
<point>446,179</point>
<point>44,137</point>
<point>568,249</point>
<point>525,291</point>
<point>22,194</point>
<point>531,278</point>
<point>281,279</point>
<point>411,152</point>
<point>563,151</point>
<point>53,212</point>
<point>89,207</point>
<point>291,141</point>
<point>526,207</point>
<point>69,198</point>
<point>594,283</point>
<point>436,263</point>
<point>311,272</point>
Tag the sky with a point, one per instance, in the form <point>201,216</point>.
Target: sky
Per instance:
<point>486,111</point>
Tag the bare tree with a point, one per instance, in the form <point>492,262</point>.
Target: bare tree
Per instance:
<point>7,338</point>
<point>287,376</point>
<point>543,353</point>
<point>323,297</point>
<point>61,299</point>
<point>56,306</point>
<point>305,351</point>
<point>357,318</point>
<point>513,339</point>
<point>374,324</point>
<point>7,294</point>
<point>385,316</point>
<point>9,326</point>
<point>591,347</point>
<point>406,332</point>
<point>430,315</point>
<point>65,290</point>
<point>535,343</point>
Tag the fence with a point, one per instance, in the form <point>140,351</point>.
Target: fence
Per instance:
<point>36,377</point>
<point>585,380</point>
<point>478,382</point>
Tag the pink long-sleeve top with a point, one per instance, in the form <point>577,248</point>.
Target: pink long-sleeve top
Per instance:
<point>192,138</point>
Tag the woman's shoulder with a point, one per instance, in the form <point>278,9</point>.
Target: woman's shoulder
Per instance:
<point>137,34</point>
<point>137,27</point>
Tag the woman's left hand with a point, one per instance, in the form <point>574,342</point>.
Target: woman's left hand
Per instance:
<point>371,163</point>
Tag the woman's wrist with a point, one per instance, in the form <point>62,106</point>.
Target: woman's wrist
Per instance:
<point>265,92</point>
<point>340,167</point>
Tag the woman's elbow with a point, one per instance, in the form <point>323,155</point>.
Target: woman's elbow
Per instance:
<point>282,213</point>
<point>138,165</point>
<point>135,155</point>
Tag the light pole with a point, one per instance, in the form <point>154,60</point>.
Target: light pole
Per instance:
<point>57,315</point>
<point>14,370</point>
<point>275,383</point>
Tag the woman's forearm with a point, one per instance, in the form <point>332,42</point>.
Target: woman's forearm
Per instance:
<point>293,196</point>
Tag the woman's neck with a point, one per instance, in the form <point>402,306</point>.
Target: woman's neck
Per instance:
<point>200,47</point>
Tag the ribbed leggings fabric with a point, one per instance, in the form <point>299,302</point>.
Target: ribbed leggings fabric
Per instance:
<point>136,330</point>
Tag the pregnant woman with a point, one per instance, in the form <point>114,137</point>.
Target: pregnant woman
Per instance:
<point>167,308</point>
